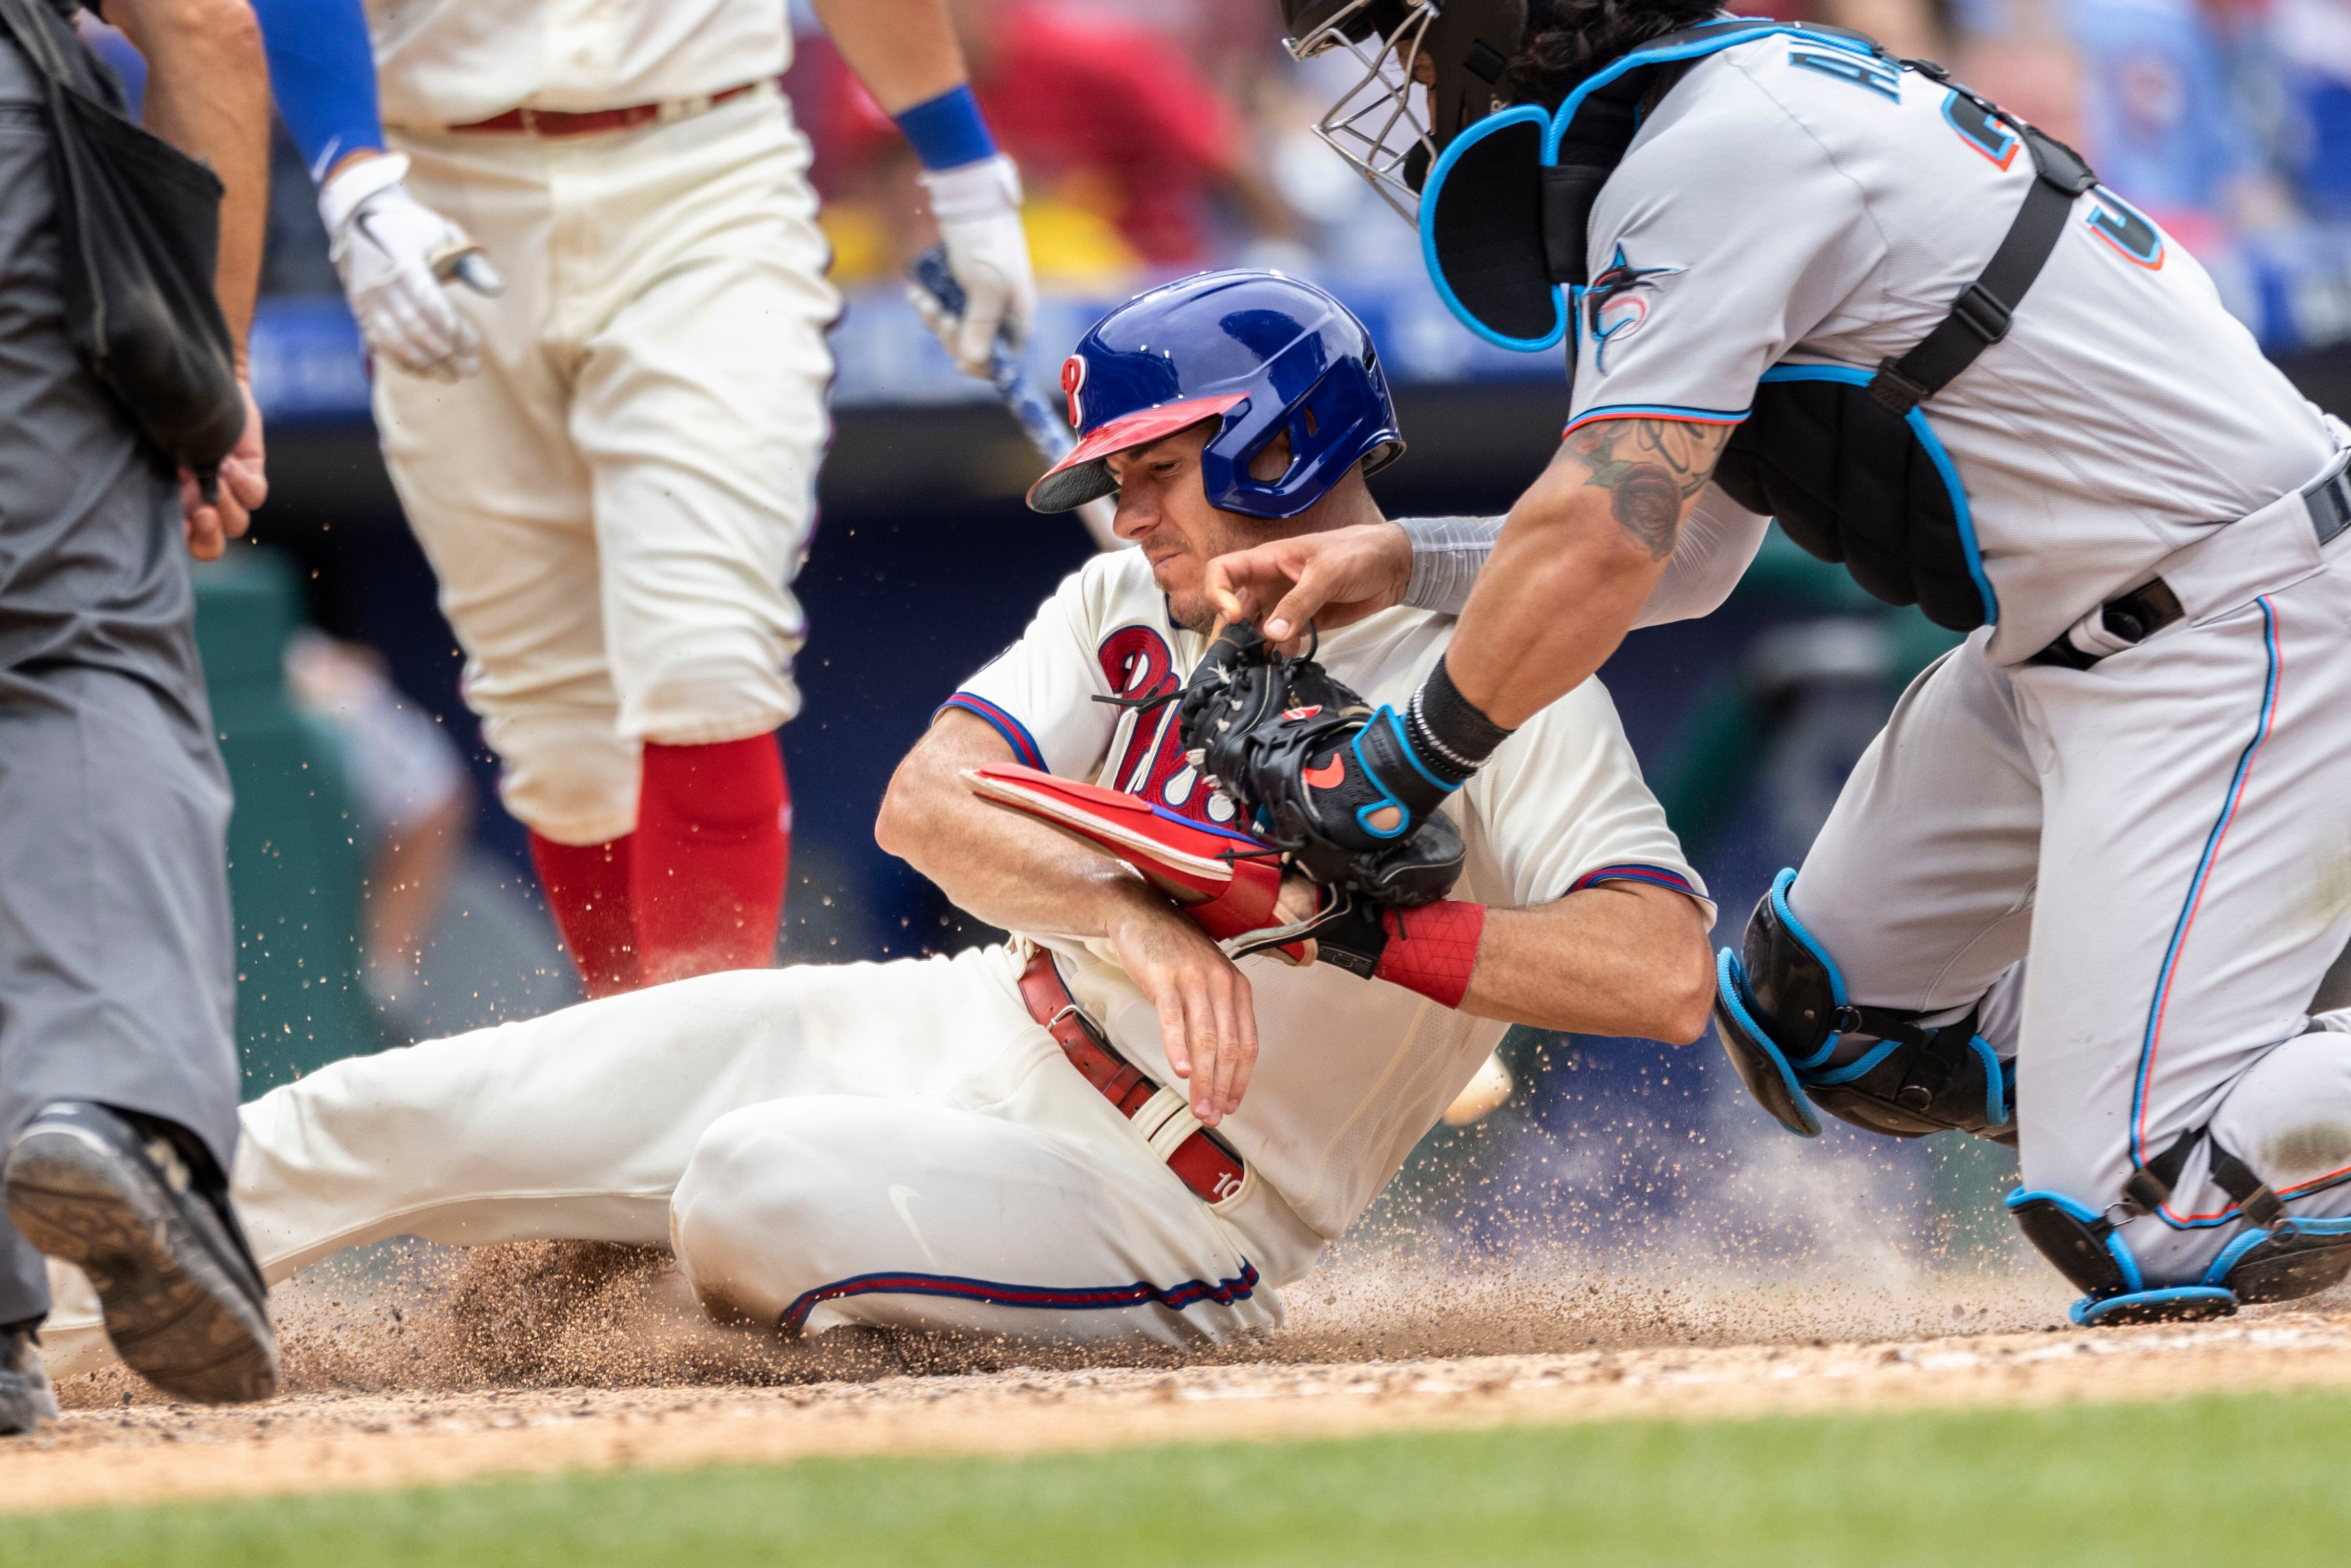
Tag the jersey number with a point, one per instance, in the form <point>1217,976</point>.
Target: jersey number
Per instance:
<point>1982,132</point>
<point>1877,76</point>
<point>2122,225</point>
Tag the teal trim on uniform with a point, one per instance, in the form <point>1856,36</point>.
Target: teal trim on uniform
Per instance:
<point>2133,1281</point>
<point>1856,1069</point>
<point>1525,114</point>
<point>2186,1303</point>
<point>1730,37</point>
<point>1730,986</point>
<point>1555,126</point>
<point>1854,375</point>
<point>1995,1081</point>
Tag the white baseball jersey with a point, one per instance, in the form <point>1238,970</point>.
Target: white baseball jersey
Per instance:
<point>1350,1072</point>
<point>1791,202</point>
<point>452,62</point>
<point>900,1144</point>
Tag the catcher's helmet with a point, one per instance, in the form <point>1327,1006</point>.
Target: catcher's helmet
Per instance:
<point>1259,352</point>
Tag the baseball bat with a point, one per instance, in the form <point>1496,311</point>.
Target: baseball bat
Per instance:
<point>1038,422</point>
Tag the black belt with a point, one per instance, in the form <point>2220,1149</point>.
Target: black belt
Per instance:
<point>2143,611</point>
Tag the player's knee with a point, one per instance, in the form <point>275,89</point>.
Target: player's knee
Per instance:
<point>567,776</point>
<point>747,1203</point>
<point>1798,1041</point>
<point>721,687</point>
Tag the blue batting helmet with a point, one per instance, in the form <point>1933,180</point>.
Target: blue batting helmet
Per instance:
<point>1261,353</point>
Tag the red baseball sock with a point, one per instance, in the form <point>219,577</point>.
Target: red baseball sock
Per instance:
<point>714,836</point>
<point>588,887</point>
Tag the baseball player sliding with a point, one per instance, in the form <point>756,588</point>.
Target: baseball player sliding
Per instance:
<point>1107,1127</point>
<point>2080,892</point>
<point>586,259</point>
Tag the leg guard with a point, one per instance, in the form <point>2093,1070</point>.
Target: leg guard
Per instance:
<point>2087,1250</point>
<point>1797,1042</point>
<point>2277,1258</point>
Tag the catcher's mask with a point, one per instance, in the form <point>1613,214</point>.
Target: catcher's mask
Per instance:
<point>1386,126</point>
<point>1261,354</point>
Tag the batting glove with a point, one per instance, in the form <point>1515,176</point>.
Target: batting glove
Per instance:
<point>978,209</point>
<point>394,253</point>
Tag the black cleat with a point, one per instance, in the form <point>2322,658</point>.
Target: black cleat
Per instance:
<point>184,1305</point>
<point>25,1399</point>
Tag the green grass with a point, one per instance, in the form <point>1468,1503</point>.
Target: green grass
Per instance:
<point>2255,1480</point>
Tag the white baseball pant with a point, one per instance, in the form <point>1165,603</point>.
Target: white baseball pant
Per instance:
<point>2164,838</point>
<point>617,505</point>
<point>891,1143</point>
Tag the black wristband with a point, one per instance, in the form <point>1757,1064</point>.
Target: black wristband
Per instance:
<point>1448,731</point>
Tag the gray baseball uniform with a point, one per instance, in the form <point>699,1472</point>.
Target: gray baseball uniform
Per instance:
<point>2160,832</point>
<point>116,946</point>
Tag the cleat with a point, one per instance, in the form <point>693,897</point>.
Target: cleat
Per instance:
<point>185,1304</point>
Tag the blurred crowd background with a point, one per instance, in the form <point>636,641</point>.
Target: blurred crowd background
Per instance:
<point>1161,136</point>
<point>383,895</point>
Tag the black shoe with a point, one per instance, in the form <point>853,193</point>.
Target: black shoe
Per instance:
<point>184,1305</point>
<point>25,1399</point>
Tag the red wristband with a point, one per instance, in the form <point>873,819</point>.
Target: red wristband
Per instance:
<point>1432,948</point>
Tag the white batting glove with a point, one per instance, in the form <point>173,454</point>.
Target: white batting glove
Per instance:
<point>978,209</point>
<point>393,253</point>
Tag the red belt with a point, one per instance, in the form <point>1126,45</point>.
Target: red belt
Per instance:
<point>1201,1160</point>
<point>594,121</point>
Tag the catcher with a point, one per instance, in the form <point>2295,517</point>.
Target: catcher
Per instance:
<point>1138,1120</point>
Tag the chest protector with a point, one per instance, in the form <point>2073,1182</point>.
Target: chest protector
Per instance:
<point>1840,454</point>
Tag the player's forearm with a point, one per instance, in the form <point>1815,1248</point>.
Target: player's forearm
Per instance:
<point>905,51</point>
<point>208,95</point>
<point>323,72</point>
<point>1623,958</point>
<point>1581,554</point>
<point>1008,869</point>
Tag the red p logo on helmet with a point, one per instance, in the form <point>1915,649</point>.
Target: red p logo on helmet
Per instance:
<point>1073,376</point>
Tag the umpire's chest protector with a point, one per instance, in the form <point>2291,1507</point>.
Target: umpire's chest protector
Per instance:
<point>1841,455</point>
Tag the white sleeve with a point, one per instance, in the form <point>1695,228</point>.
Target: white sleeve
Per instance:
<point>1561,806</point>
<point>1716,544</point>
<point>1448,554</point>
<point>1038,692</point>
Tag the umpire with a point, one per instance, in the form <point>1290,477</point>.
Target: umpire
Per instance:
<point>117,1067</point>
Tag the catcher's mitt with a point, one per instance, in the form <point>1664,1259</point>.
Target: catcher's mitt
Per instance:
<point>1317,771</point>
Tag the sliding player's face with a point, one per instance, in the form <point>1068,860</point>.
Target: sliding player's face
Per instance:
<point>1164,509</point>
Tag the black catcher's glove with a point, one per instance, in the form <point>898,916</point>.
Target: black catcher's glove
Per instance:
<point>1317,772</point>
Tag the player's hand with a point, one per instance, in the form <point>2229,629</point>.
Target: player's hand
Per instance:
<point>1208,1019</point>
<point>1325,579</point>
<point>979,210</point>
<point>393,253</point>
<point>243,485</point>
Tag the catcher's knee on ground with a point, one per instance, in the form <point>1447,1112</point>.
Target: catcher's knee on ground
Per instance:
<point>2281,1261</point>
<point>2253,1205</point>
<point>1797,1041</point>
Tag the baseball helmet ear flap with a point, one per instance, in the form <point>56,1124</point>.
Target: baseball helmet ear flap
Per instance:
<point>1342,418</point>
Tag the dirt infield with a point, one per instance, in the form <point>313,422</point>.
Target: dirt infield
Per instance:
<point>542,1358</point>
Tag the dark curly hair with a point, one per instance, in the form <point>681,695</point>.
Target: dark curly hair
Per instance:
<point>1567,40</point>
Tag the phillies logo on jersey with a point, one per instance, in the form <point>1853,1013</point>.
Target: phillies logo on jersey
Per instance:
<point>1073,376</point>
<point>1137,664</point>
<point>1617,302</point>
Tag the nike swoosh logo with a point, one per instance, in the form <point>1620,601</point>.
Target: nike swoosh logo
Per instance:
<point>1327,776</point>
